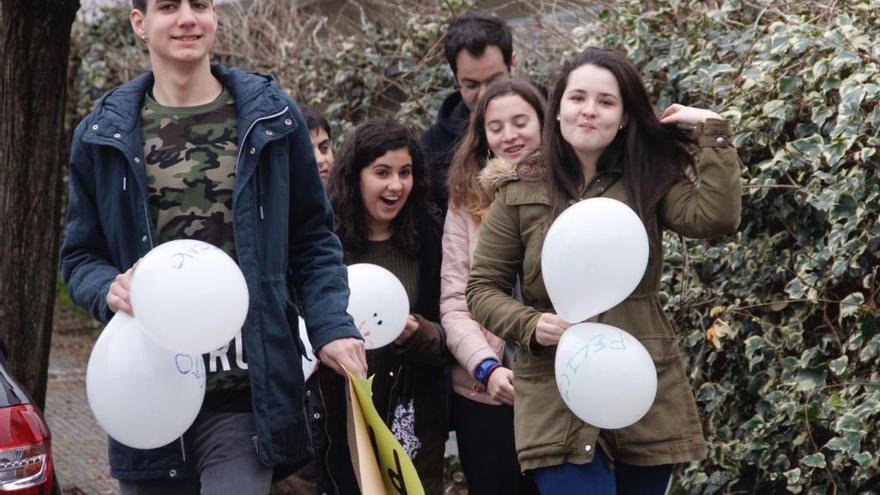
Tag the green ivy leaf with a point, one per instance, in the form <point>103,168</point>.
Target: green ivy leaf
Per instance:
<point>850,305</point>
<point>838,366</point>
<point>835,401</point>
<point>774,109</point>
<point>840,444</point>
<point>793,476</point>
<point>810,379</point>
<point>863,458</point>
<point>795,288</point>
<point>816,460</point>
<point>753,344</point>
<point>844,208</point>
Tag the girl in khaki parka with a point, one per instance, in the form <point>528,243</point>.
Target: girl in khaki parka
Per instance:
<point>602,138</point>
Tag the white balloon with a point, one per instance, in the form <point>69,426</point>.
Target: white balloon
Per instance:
<point>190,296</point>
<point>593,257</point>
<point>378,304</point>
<point>142,394</point>
<point>309,361</point>
<point>605,375</point>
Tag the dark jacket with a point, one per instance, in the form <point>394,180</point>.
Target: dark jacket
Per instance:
<point>283,240</point>
<point>440,142</point>
<point>412,372</point>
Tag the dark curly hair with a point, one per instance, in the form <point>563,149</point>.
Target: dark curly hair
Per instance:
<point>368,142</point>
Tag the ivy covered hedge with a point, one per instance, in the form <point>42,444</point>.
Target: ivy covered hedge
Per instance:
<point>778,324</point>
<point>788,378</point>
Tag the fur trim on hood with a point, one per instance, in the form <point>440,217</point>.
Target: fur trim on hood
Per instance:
<point>497,172</point>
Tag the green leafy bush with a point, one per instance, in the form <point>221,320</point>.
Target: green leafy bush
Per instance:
<point>790,393</point>
<point>779,324</point>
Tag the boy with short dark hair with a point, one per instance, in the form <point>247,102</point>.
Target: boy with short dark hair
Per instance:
<point>320,135</point>
<point>199,151</point>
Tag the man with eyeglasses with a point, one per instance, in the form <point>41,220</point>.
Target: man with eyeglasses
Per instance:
<point>479,49</point>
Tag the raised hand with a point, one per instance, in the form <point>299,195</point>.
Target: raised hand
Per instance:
<point>688,116</point>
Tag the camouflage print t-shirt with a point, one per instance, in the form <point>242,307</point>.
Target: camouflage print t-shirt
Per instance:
<point>190,157</point>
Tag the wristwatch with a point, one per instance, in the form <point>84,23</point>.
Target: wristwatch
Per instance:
<point>481,374</point>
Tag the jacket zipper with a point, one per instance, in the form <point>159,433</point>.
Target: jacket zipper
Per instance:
<point>327,436</point>
<point>248,131</point>
<point>241,150</point>
<point>147,220</point>
<point>389,413</point>
<point>259,193</point>
<point>124,152</point>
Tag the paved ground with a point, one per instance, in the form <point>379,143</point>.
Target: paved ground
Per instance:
<point>79,445</point>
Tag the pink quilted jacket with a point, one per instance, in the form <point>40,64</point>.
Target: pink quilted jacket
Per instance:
<point>469,342</point>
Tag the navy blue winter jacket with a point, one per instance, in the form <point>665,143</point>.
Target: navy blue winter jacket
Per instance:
<point>284,243</point>
<point>440,142</point>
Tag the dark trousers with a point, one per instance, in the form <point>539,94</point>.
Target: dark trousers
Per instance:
<point>599,478</point>
<point>486,448</point>
<point>224,454</point>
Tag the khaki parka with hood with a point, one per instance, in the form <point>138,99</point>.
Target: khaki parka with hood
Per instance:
<point>510,241</point>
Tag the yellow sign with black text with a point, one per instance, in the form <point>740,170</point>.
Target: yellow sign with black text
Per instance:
<point>380,463</point>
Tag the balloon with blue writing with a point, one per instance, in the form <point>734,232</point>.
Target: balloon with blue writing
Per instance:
<point>378,304</point>
<point>142,394</point>
<point>593,257</point>
<point>189,295</point>
<point>605,375</point>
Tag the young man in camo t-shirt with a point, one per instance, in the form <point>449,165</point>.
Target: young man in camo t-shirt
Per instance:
<point>195,151</point>
<point>189,156</point>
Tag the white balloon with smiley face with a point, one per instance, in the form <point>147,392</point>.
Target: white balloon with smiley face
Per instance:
<point>378,304</point>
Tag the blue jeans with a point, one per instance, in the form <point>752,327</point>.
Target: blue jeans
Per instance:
<point>600,478</point>
<point>224,456</point>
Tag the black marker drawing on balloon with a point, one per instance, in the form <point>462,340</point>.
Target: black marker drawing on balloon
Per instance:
<point>178,259</point>
<point>366,332</point>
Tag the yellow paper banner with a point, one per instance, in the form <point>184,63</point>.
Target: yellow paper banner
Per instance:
<point>394,466</point>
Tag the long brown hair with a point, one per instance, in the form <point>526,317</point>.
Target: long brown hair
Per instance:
<point>368,142</point>
<point>652,156</point>
<point>470,157</point>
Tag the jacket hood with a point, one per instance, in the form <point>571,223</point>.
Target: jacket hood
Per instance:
<point>497,172</point>
<point>118,111</point>
<point>454,115</point>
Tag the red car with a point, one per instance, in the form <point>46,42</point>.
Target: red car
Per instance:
<point>25,443</point>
